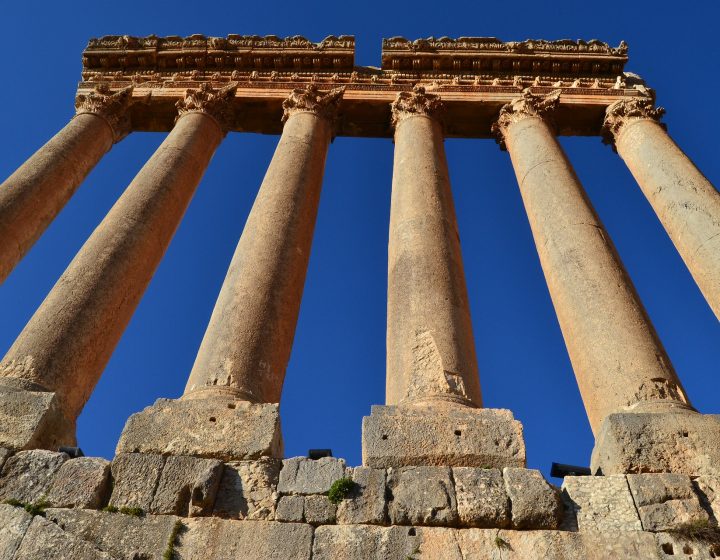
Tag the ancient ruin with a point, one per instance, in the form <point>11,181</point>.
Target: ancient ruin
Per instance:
<point>204,476</point>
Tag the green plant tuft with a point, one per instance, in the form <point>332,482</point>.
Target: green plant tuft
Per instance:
<point>110,509</point>
<point>14,502</point>
<point>340,490</point>
<point>36,508</point>
<point>134,511</point>
<point>178,528</point>
<point>701,531</point>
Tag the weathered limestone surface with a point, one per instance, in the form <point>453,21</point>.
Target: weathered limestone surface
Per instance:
<point>48,541</point>
<point>680,442</point>
<point>708,490</point>
<point>187,487</point>
<point>28,475</point>
<point>534,503</point>
<point>366,504</point>
<point>300,475</point>
<point>422,496</point>
<point>225,429</point>
<point>482,500</point>
<point>318,510</point>
<point>81,483</point>
<point>601,503</point>
<point>4,454</point>
<point>666,501</point>
<point>248,490</point>
<point>673,546</point>
<point>135,478</point>
<point>13,524</point>
<point>290,509</point>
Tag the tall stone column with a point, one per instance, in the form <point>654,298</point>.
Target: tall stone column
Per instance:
<point>63,349</point>
<point>238,375</point>
<point>685,201</point>
<point>32,197</point>
<point>433,389</point>
<point>625,376</point>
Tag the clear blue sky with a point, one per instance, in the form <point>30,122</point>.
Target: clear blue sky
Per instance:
<point>337,368</point>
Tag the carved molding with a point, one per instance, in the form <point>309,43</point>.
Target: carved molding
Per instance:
<point>621,112</point>
<point>216,103</point>
<point>529,105</point>
<point>417,102</point>
<point>311,100</point>
<point>494,44</point>
<point>111,106</point>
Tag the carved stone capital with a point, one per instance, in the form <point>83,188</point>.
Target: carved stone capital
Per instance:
<point>216,103</point>
<point>529,105</point>
<point>417,102</point>
<point>111,106</point>
<point>621,112</point>
<point>312,100</point>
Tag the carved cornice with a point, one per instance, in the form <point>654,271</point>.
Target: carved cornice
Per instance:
<point>312,100</point>
<point>111,106</point>
<point>216,103</point>
<point>417,102</point>
<point>621,112</point>
<point>529,105</point>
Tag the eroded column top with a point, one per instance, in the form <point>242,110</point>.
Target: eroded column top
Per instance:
<point>527,106</point>
<point>215,103</point>
<point>626,111</point>
<point>416,103</point>
<point>112,107</point>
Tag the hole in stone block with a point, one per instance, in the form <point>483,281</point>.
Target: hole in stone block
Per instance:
<point>231,406</point>
<point>212,419</point>
<point>685,434</point>
<point>412,532</point>
<point>687,549</point>
<point>715,551</point>
<point>384,436</point>
<point>667,548</point>
<point>458,433</point>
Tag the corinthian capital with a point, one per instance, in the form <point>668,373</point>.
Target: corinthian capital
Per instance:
<point>529,105</point>
<point>217,103</point>
<point>621,112</point>
<point>418,102</point>
<point>111,106</point>
<point>312,100</point>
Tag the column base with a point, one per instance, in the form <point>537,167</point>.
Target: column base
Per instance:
<point>682,442</point>
<point>32,419</point>
<point>399,436</point>
<point>214,428</point>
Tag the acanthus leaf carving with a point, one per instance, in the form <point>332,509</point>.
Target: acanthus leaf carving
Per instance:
<point>621,112</point>
<point>217,103</point>
<point>417,102</point>
<point>311,100</point>
<point>529,105</point>
<point>111,106</point>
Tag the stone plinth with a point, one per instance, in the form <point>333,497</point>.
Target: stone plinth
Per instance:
<point>225,429</point>
<point>653,442</point>
<point>399,436</point>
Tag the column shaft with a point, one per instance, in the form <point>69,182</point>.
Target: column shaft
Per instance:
<point>617,357</point>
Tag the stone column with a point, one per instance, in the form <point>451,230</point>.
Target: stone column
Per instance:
<point>246,348</point>
<point>65,346</point>
<point>433,389</point>
<point>32,196</point>
<point>685,201</point>
<point>622,369</point>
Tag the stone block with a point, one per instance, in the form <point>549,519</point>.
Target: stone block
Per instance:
<point>366,504</point>
<point>27,475</point>
<point>121,536</point>
<point>14,521</point>
<point>674,546</point>
<point>300,475</point>
<point>318,510</point>
<point>48,541</point>
<point>290,508</point>
<point>682,442</point>
<point>135,477</point>
<point>666,501</point>
<point>223,429</point>
<point>248,489</point>
<point>398,436</point>
<point>4,454</point>
<point>708,490</point>
<point>368,542</point>
<point>81,483</point>
<point>187,486</point>
<point>534,503</point>
<point>32,419</point>
<point>219,539</point>
<point>482,500</point>
<point>601,503</point>
<point>422,496</point>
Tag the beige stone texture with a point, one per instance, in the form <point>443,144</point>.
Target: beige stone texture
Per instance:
<point>397,436</point>
<point>601,503</point>
<point>187,487</point>
<point>666,501</point>
<point>4,454</point>
<point>48,541</point>
<point>217,428</point>
<point>686,203</point>
<point>367,542</point>
<point>32,196</point>
<point>674,546</point>
<point>300,475</point>
<point>680,442</point>
<point>534,503</point>
<point>14,521</point>
<point>318,510</point>
<point>68,341</point>
<point>135,477</point>
<point>28,475</point>
<point>247,344</point>
<point>366,503</point>
<point>422,496</point>
<point>248,490</point>
<point>290,509</point>
<point>708,490</point>
<point>250,540</point>
<point>430,346</point>
<point>482,500</point>
<point>618,360</point>
<point>81,483</point>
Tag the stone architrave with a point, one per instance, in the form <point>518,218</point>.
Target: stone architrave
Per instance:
<point>243,356</point>
<point>32,196</point>
<point>686,203</point>
<point>64,347</point>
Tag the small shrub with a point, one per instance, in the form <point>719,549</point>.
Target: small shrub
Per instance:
<point>134,511</point>
<point>37,508</point>
<point>340,490</point>
<point>110,509</point>
<point>169,553</point>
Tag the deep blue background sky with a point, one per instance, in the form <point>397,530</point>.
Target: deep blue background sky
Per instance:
<point>337,368</point>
